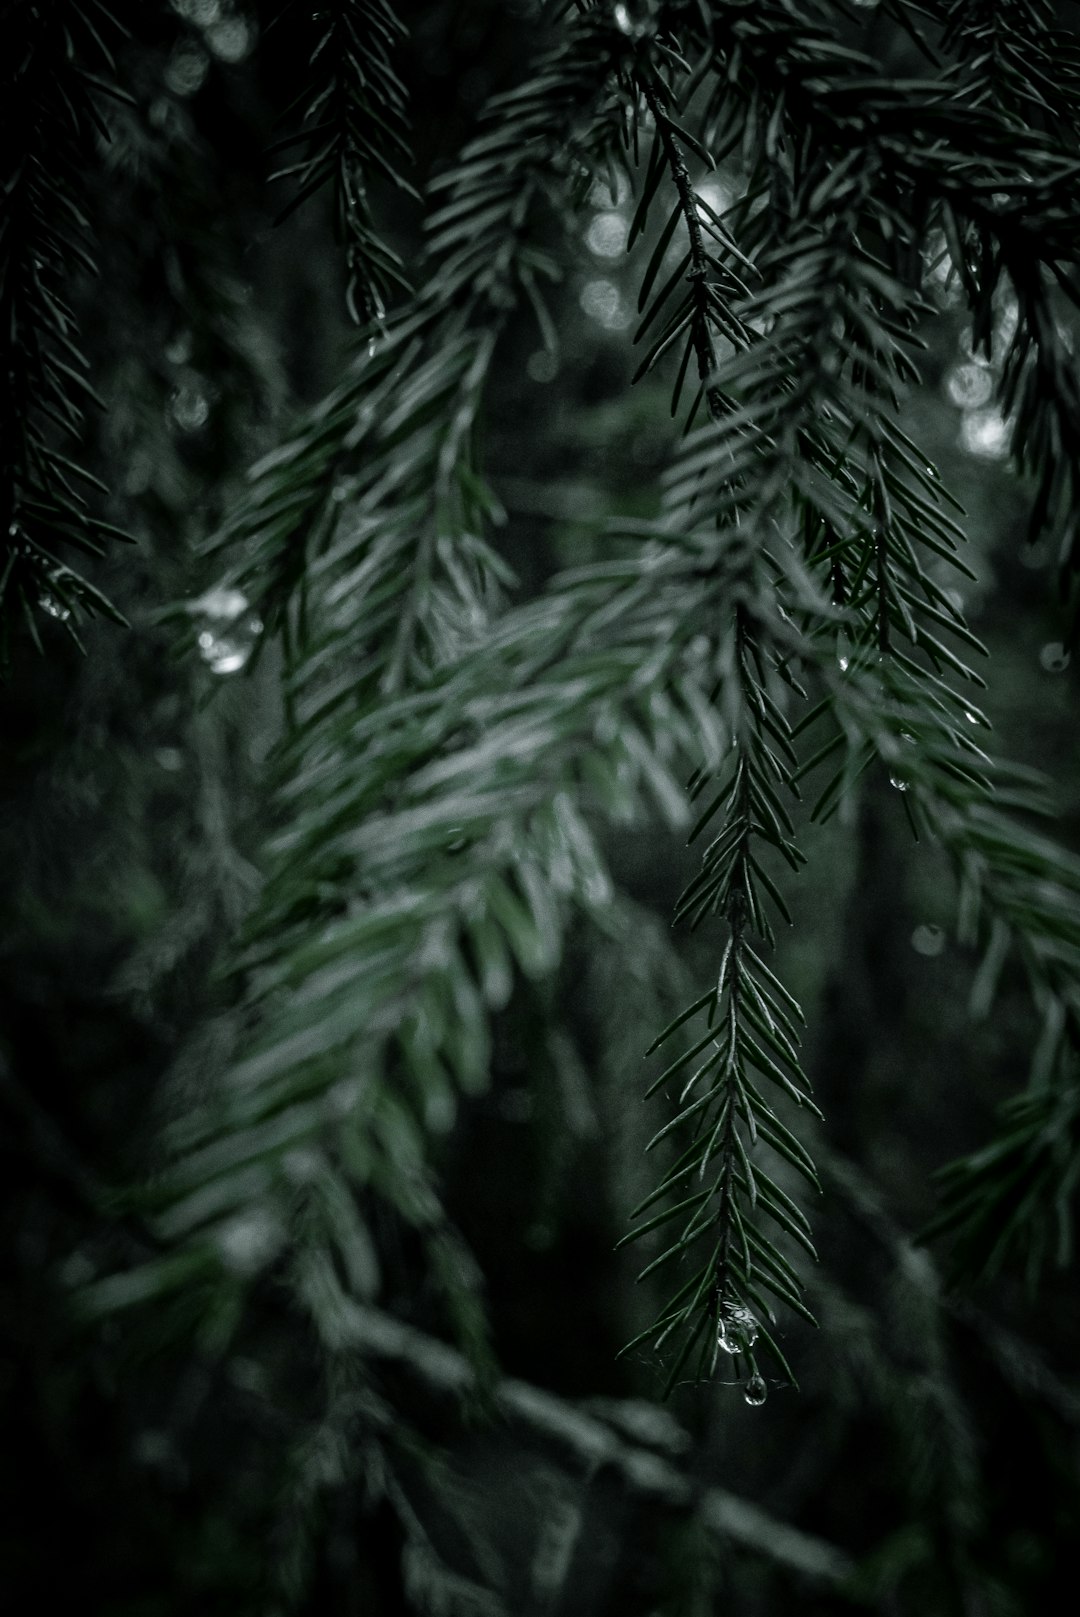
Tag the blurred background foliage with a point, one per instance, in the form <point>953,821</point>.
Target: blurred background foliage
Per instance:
<point>218,1455</point>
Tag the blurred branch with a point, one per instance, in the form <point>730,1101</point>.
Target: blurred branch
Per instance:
<point>590,1443</point>
<point>1015,1359</point>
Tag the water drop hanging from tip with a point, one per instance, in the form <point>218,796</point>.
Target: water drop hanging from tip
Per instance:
<point>1054,657</point>
<point>928,940</point>
<point>229,629</point>
<point>756,1391</point>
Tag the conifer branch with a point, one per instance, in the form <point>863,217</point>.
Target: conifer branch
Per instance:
<point>353,127</point>
<point>578,1437</point>
<point>801,536</point>
<point>50,121</point>
<point>700,333</point>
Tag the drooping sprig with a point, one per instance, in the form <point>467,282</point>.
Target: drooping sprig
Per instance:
<point>353,130</point>
<point>724,1192</point>
<point>58,67</point>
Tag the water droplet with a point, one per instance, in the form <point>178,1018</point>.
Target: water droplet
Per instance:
<point>178,351</point>
<point>737,1330</point>
<point>635,18</point>
<point>186,68</point>
<point>229,630</point>
<point>221,603</point>
<point>899,782</point>
<point>339,493</point>
<point>606,235</point>
<point>1054,657</point>
<point>985,434</point>
<point>928,940</point>
<point>190,407</point>
<point>200,12</point>
<point>48,603</point>
<point>972,718</point>
<point>229,39</point>
<point>224,653</point>
<point>372,347</point>
<point>969,386</point>
<point>249,1241</point>
<point>602,301</point>
<point>756,1391</point>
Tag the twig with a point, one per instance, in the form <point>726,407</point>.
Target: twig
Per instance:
<point>700,335</point>
<point>590,1443</point>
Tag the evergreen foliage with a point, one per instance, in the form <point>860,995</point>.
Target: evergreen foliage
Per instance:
<point>59,66</point>
<point>353,125</point>
<point>777,631</point>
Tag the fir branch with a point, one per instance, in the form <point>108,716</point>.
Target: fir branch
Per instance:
<point>583,1441</point>
<point>58,66</point>
<point>724,1122</point>
<point>439,844</point>
<point>1017,891</point>
<point>1014,58</point>
<point>700,334</point>
<point>353,127</point>
<point>424,724</point>
<point>388,456</point>
<point>797,414</point>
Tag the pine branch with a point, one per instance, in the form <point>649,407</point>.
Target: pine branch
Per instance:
<point>441,842</point>
<point>721,1115</point>
<point>50,120</point>
<point>810,407</point>
<point>377,487</point>
<point>703,312</point>
<point>353,127</point>
<point>1018,891</point>
<point>585,1442</point>
<point>799,526</point>
<point>1014,59</point>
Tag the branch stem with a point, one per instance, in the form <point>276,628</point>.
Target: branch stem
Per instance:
<point>700,333</point>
